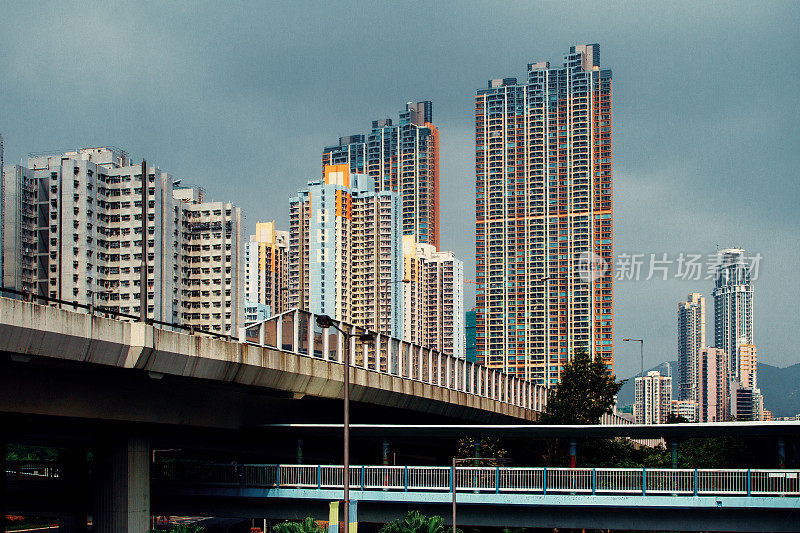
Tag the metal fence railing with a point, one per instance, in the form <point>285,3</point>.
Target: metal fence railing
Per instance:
<point>32,469</point>
<point>604,481</point>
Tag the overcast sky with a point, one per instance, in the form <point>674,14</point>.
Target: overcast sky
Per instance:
<point>240,99</point>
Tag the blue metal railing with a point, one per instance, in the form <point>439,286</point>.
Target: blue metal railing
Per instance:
<point>587,481</point>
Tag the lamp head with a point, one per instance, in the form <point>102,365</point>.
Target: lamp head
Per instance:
<point>324,321</point>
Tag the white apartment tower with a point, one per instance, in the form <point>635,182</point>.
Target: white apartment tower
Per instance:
<point>433,298</point>
<point>89,225</point>
<point>691,339</point>
<point>72,230</point>
<point>266,268</point>
<point>211,268</point>
<point>653,398</point>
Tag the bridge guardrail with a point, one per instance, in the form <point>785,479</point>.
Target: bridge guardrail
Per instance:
<point>535,480</point>
<point>32,469</point>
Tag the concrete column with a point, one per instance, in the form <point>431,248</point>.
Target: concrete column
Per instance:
<point>299,451</point>
<point>781,452</point>
<point>122,485</point>
<point>674,446</point>
<point>573,452</point>
<point>76,487</point>
<point>2,484</point>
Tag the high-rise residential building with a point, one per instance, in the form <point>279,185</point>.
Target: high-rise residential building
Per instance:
<point>89,230</point>
<point>433,298</point>
<point>350,151</point>
<point>691,339</point>
<point>747,404</point>
<point>403,158</point>
<point>19,229</point>
<point>712,385</point>
<point>544,238</point>
<point>653,398</point>
<point>733,307</point>
<point>210,242</point>
<point>266,268</point>
<point>470,336</point>
<point>686,409</point>
<point>73,228</point>
<point>345,251</point>
<point>748,365</point>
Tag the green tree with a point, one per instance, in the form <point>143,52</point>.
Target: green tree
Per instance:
<point>586,392</point>
<point>486,448</point>
<point>414,522</point>
<point>307,525</point>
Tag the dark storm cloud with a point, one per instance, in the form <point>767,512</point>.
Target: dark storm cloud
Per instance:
<point>240,98</point>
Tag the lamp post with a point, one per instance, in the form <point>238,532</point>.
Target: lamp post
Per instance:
<point>456,461</point>
<point>324,321</point>
<point>641,353</point>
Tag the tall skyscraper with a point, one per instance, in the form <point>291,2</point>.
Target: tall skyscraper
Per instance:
<point>713,387</point>
<point>691,339</point>
<point>345,251</point>
<point>403,158</point>
<point>733,307</point>
<point>653,398</point>
<point>433,298</point>
<point>543,167</point>
<point>266,269</point>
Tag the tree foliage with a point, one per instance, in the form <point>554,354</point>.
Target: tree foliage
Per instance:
<point>486,448</point>
<point>414,522</point>
<point>586,392</point>
<point>307,525</point>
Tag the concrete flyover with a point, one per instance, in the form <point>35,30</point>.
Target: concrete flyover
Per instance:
<point>75,342</point>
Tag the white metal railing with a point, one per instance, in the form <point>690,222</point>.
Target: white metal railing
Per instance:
<point>296,331</point>
<point>641,481</point>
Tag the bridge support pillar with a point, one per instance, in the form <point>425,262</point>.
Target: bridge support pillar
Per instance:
<point>75,475</point>
<point>2,483</point>
<point>122,486</point>
<point>573,452</point>
<point>673,443</point>
<point>299,451</point>
<point>781,452</point>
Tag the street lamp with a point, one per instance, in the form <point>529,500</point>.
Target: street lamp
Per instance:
<point>457,460</point>
<point>324,321</point>
<point>641,353</point>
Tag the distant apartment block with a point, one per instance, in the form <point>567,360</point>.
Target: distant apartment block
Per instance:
<point>73,231</point>
<point>433,298</point>
<point>653,398</point>
<point>691,339</point>
<point>402,157</point>
<point>345,251</point>
<point>747,404</point>
<point>543,165</point>
<point>712,385</point>
<point>470,335</point>
<point>211,267</point>
<point>266,268</point>
<point>685,408</point>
